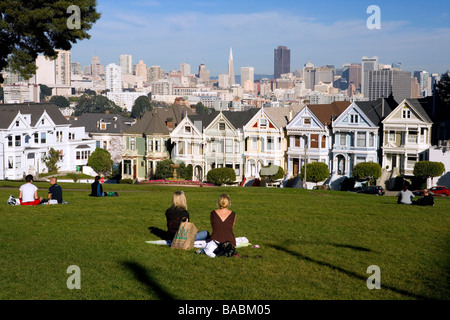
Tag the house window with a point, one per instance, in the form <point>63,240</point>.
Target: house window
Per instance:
<point>314,141</point>
<point>150,145</point>
<point>18,141</point>
<point>262,123</point>
<point>187,129</point>
<point>391,136</point>
<point>228,146</point>
<point>181,147</point>
<point>371,140</point>
<point>222,126</point>
<point>406,114</point>
<point>188,148</point>
<point>410,161</point>
<point>354,118</point>
<point>127,167</point>
<point>102,126</point>
<point>270,143</point>
<point>343,139</point>
<point>297,141</point>
<point>324,142</point>
<point>254,144</point>
<point>133,143</point>
<point>43,121</point>
<point>360,159</point>
<point>17,123</point>
<point>158,145</point>
<point>36,138</point>
<point>307,121</point>
<point>236,146</point>
<point>412,136</point>
<point>237,169</point>
<point>79,154</point>
<point>43,137</point>
<point>10,163</point>
<point>59,136</point>
<point>361,139</point>
<point>10,141</point>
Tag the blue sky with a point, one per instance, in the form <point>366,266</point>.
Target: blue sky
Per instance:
<point>168,32</point>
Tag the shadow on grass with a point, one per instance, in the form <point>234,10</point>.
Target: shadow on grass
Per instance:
<point>144,276</point>
<point>348,273</point>
<point>159,233</point>
<point>357,248</point>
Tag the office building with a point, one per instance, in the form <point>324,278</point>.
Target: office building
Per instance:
<point>113,77</point>
<point>383,83</point>
<point>281,61</point>
<point>126,63</point>
<point>367,64</point>
<point>141,70</point>
<point>247,78</point>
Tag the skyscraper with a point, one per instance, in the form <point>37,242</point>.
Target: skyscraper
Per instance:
<point>185,69</point>
<point>126,63</point>
<point>141,70</point>
<point>388,82</point>
<point>114,77</point>
<point>247,78</point>
<point>368,64</point>
<point>281,61</point>
<point>231,78</point>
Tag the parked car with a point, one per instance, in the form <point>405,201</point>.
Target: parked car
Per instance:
<point>378,190</point>
<point>440,190</point>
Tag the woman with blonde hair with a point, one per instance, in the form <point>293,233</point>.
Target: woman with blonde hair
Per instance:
<point>222,222</point>
<point>175,215</point>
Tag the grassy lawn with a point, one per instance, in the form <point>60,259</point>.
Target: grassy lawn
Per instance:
<point>314,245</point>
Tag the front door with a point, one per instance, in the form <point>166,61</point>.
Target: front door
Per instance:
<point>295,166</point>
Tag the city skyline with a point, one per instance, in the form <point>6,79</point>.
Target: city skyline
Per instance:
<point>172,32</point>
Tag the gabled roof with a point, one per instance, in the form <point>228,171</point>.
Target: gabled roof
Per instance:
<point>237,118</point>
<point>374,109</point>
<point>282,115</point>
<point>9,112</point>
<point>327,112</point>
<point>116,123</point>
<point>154,121</point>
<point>416,105</point>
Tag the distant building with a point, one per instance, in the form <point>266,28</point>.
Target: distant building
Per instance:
<point>21,92</point>
<point>367,64</point>
<point>247,78</point>
<point>141,70</point>
<point>231,78</point>
<point>114,77</point>
<point>282,61</point>
<point>383,83</point>
<point>126,63</point>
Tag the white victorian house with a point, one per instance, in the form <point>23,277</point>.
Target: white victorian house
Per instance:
<point>28,131</point>
<point>309,135</point>
<point>406,137</point>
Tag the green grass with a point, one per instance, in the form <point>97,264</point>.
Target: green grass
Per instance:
<point>314,245</point>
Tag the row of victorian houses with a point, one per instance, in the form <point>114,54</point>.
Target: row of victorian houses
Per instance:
<point>342,134</point>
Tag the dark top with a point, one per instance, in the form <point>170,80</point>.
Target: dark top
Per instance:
<point>56,192</point>
<point>96,189</point>
<point>426,201</point>
<point>223,230</point>
<point>174,215</point>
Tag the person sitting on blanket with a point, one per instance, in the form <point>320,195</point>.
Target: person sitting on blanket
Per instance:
<point>222,223</point>
<point>54,192</point>
<point>175,215</point>
<point>28,193</point>
<point>97,189</point>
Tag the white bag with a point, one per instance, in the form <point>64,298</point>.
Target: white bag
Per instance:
<point>13,201</point>
<point>52,201</point>
<point>210,247</point>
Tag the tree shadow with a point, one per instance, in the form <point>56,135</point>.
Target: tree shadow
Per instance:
<point>144,276</point>
<point>357,248</point>
<point>348,273</point>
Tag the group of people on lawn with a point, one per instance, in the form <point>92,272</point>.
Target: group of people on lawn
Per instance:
<point>406,197</point>
<point>28,195</point>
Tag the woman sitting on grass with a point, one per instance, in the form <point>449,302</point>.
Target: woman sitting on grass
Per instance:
<point>222,223</point>
<point>97,189</point>
<point>176,213</point>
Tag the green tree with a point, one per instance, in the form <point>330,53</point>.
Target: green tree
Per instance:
<point>141,105</point>
<point>30,28</point>
<point>95,104</point>
<point>315,172</point>
<point>444,88</point>
<point>60,101</point>
<point>100,161</point>
<point>367,171</point>
<point>428,169</point>
<point>45,92</point>
<point>51,160</point>
<point>201,109</point>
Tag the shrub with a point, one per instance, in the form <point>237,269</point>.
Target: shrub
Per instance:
<point>315,172</point>
<point>428,169</point>
<point>367,171</point>
<point>220,176</point>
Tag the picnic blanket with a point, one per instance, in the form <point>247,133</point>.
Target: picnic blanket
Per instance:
<point>240,242</point>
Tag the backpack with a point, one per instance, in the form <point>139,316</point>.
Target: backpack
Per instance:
<point>225,249</point>
<point>13,201</point>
